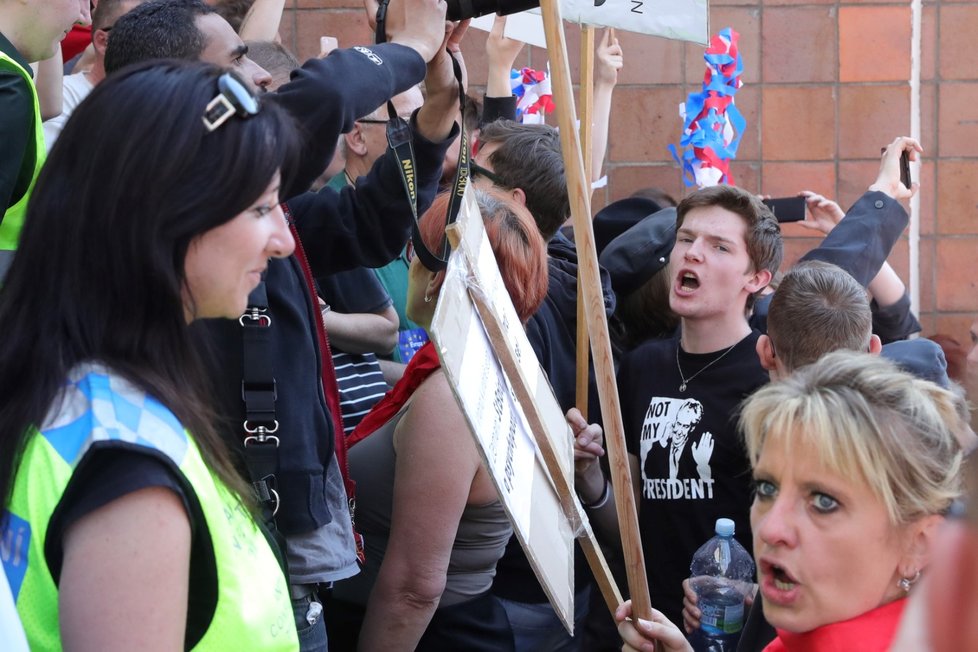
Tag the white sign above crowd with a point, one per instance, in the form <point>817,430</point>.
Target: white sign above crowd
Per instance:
<point>682,20</point>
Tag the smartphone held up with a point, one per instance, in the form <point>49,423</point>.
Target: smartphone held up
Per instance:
<point>904,167</point>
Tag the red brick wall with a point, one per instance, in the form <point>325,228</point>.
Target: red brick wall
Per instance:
<point>826,84</point>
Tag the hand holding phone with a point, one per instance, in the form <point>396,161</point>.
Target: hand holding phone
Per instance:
<point>904,167</point>
<point>894,175</point>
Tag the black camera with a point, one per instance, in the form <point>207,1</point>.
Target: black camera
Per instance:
<point>462,9</point>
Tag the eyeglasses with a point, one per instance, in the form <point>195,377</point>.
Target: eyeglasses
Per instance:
<point>477,170</point>
<point>233,98</point>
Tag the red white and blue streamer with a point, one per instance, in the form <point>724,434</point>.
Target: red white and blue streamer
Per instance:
<point>712,125</point>
<point>534,95</point>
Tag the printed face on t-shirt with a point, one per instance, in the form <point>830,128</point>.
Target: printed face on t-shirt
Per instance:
<point>669,427</point>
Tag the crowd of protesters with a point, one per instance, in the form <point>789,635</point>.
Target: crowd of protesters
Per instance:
<point>223,424</point>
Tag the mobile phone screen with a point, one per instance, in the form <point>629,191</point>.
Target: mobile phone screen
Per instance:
<point>905,169</point>
<point>787,209</point>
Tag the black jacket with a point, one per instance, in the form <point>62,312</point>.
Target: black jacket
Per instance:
<point>553,328</point>
<point>363,226</point>
<point>860,244</point>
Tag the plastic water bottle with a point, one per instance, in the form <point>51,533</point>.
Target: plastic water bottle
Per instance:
<point>722,573</point>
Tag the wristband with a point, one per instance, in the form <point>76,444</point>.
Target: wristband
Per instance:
<point>602,499</point>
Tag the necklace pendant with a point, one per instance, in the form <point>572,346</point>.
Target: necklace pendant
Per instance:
<point>682,387</point>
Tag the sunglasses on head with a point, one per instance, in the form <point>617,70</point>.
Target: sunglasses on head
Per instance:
<point>233,98</point>
<point>477,170</point>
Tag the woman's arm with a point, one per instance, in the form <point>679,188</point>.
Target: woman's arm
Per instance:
<point>362,332</point>
<point>125,576</point>
<point>262,21</point>
<point>437,463</point>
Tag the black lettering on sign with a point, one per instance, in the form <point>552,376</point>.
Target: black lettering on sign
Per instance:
<point>510,446</point>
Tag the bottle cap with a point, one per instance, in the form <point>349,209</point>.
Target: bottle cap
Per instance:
<point>725,527</point>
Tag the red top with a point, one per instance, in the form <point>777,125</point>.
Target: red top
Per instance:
<point>77,40</point>
<point>871,632</point>
<point>424,363</point>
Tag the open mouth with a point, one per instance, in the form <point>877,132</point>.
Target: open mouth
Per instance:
<point>688,281</point>
<point>782,580</point>
<point>778,585</point>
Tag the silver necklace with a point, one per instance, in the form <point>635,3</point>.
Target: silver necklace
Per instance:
<point>686,381</point>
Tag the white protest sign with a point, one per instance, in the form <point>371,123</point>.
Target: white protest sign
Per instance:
<point>504,440</point>
<point>683,20</point>
<point>498,423</point>
<point>475,247</point>
<point>485,393</point>
<point>525,26</point>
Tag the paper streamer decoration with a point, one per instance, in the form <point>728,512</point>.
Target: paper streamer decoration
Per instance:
<point>534,95</point>
<point>712,125</point>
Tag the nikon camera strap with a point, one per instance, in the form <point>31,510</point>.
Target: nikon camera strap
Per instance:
<point>399,139</point>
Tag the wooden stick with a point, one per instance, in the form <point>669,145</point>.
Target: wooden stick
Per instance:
<point>580,204</point>
<point>587,126</point>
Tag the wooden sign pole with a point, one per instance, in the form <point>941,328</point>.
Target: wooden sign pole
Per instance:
<point>587,127</point>
<point>578,187</point>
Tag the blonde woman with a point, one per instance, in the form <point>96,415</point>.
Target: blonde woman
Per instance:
<point>855,464</point>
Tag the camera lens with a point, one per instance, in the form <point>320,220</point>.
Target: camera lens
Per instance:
<point>462,9</point>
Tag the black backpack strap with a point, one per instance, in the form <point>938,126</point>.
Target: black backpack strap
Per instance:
<point>259,392</point>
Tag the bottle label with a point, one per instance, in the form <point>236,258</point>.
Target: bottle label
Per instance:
<point>720,619</point>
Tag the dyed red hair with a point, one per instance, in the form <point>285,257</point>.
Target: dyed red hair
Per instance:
<point>520,250</point>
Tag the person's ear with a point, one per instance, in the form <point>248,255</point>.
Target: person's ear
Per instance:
<point>435,281</point>
<point>519,195</point>
<point>355,142</point>
<point>765,353</point>
<point>920,543</point>
<point>100,41</point>
<point>875,344</point>
<point>758,281</point>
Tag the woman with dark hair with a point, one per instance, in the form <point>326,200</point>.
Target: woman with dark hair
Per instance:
<point>430,516</point>
<point>130,528</point>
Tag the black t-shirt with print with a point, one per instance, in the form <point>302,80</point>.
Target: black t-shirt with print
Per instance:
<point>693,464</point>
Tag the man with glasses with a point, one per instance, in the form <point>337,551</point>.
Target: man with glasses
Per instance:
<point>372,295</point>
<point>30,31</point>
<point>76,87</point>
